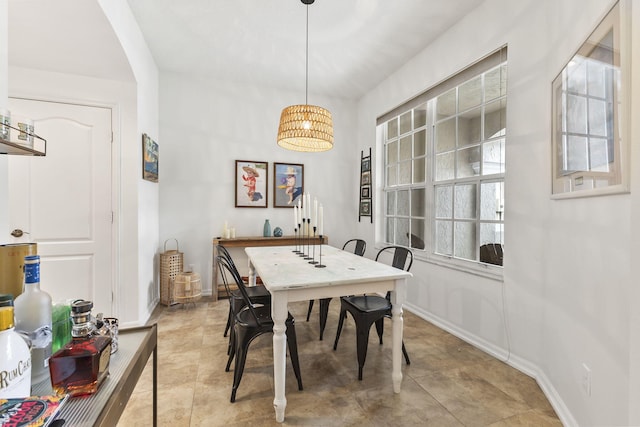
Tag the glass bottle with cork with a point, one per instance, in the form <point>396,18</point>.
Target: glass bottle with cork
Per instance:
<point>33,318</point>
<point>15,357</point>
<point>81,365</point>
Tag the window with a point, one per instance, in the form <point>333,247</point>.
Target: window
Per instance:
<point>444,160</point>
<point>589,144</point>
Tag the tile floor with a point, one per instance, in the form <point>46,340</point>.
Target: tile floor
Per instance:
<point>449,382</point>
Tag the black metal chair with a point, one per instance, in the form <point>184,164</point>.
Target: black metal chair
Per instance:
<point>359,248</point>
<point>257,294</point>
<point>369,309</point>
<point>250,322</point>
<point>491,253</point>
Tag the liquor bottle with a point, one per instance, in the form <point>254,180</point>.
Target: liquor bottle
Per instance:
<point>15,357</point>
<point>82,364</point>
<point>33,318</point>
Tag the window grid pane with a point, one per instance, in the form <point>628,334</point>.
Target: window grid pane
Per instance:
<point>454,144</point>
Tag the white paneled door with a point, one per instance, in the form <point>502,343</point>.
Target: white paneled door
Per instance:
<point>64,200</point>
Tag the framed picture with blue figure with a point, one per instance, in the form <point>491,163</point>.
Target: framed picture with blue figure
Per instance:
<point>149,159</point>
<point>288,184</point>
<point>251,184</point>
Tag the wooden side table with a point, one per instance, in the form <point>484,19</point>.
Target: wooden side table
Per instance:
<point>247,242</point>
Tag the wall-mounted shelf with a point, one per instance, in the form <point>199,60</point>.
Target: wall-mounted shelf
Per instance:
<point>14,148</point>
<point>8,147</point>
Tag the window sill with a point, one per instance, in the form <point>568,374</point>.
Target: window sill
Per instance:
<point>488,271</point>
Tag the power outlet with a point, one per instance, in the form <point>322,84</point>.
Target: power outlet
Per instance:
<point>586,379</point>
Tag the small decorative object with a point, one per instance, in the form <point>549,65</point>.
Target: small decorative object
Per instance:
<point>80,367</point>
<point>188,288</point>
<point>149,159</point>
<point>277,232</point>
<point>32,410</point>
<point>288,184</point>
<point>251,184</point>
<point>25,125</point>
<point>5,123</point>
<point>110,329</point>
<point>13,352</point>
<point>266,230</point>
<point>171,264</point>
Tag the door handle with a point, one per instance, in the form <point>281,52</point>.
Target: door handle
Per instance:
<point>18,233</point>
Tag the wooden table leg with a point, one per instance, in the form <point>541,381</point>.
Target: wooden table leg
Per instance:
<point>397,300</point>
<point>279,315</point>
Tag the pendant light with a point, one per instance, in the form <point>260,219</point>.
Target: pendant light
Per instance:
<point>306,127</point>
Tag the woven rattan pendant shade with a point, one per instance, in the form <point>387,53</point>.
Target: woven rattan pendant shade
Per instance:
<point>305,128</point>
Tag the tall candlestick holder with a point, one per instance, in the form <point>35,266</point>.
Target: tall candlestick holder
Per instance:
<point>307,257</point>
<point>295,239</point>
<point>300,251</point>
<point>320,264</point>
<point>313,259</point>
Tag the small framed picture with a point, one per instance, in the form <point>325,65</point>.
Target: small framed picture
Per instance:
<point>366,164</point>
<point>288,184</point>
<point>149,159</point>
<point>365,192</point>
<point>365,207</point>
<point>251,184</point>
<point>365,178</point>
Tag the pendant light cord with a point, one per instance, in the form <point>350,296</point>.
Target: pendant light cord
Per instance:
<point>306,83</point>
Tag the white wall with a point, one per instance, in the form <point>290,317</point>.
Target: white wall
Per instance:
<point>567,274</point>
<point>140,206</point>
<point>207,125</point>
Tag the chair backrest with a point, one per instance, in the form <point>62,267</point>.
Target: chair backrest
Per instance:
<point>402,257</point>
<point>228,272</point>
<point>491,253</point>
<point>222,251</point>
<point>360,246</point>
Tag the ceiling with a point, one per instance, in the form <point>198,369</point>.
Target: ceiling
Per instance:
<point>353,44</point>
<point>66,36</point>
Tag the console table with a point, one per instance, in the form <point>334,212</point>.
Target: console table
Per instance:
<point>247,242</point>
<point>125,367</point>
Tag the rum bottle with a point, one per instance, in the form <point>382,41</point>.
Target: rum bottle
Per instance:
<point>81,365</point>
<point>15,358</point>
<point>33,318</point>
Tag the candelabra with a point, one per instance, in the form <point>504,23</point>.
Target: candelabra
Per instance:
<point>320,264</point>
<point>307,257</point>
<point>300,251</point>
<point>313,259</point>
<point>295,239</point>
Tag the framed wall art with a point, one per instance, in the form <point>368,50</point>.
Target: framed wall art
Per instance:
<point>365,178</point>
<point>365,192</point>
<point>288,184</point>
<point>251,184</point>
<point>149,159</point>
<point>365,186</point>
<point>590,136</point>
<point>365,207</point>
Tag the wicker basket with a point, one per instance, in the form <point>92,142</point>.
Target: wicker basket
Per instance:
<point>171,264</point>
<point>187,288</point>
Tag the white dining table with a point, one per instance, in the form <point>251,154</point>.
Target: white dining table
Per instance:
<point>291,278</point>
